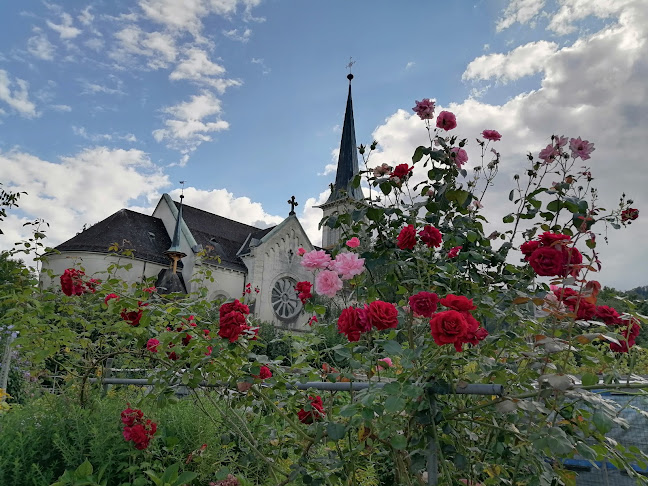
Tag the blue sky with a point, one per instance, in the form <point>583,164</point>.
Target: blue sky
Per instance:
<point>107,104</point>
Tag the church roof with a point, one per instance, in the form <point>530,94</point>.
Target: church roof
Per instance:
<point>228,238</point>
<point>143,234</point>
<point>347,166</point>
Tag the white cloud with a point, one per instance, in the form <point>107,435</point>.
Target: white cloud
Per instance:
<point>238,35</point>
<point>335,154</point>
<point>85,17</point>
<point>186,128</point>
<point>573,10</point>
<point>410,65</point>
<point>261,62</point>
<point>65,29</point>
<point>594,88</point>
<point>522,61</point>
<point>39,46</point>
<point>158,47</point>
<point>80,189</point>
<point>61,108</point>
<point>102,137</point>
<point>521,11</point>
<point>18,96</point>
<point>89,88</point>
<point>224,203</point>
<point>196,67</point>
<point>311,216</point>
<point>96,43</point>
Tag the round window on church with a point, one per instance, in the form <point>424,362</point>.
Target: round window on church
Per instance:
<point>284,299</point>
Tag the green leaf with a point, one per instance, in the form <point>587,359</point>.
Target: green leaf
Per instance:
<point>553,206</point>
<point>472,236</point>
<point>392,347</point>
<point>386,187</point>
<point>356,181</point>
<point>398,442</point>
<point>185,478</point>
<point>335,431</point>
<point>394,404</point>
<point>602,422</point>
<point>171,473</point>
<point>508,218</point>
<point>511,194</point>
<point>349,410</point>
<point>85,469</point>
<point>589,379</point>
<point>419,153</point>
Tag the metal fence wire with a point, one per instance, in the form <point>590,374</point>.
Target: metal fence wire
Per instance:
<point>603,473</point>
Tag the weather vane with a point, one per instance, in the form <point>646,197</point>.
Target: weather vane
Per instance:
<point>351,63</point>
<point>182,190</point>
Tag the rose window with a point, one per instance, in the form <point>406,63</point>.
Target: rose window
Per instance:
<point>284,300</point>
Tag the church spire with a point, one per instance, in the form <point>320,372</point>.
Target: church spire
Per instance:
<point>347,167</point>
<point>175,253</point>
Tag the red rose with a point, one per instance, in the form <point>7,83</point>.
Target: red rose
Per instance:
<point>316,413</point>
<point>129,416</point>
<point>72,282</point>
<point>233,306</point>
<point>607,314</point>
<point>547,262</point>
<point>264,373</point>
<point>630,334</point>
<point>449,327</point>
<point>458,303</point>
<point>109,297</point>
<point>402,171</point>
<point>424,304</point>
<point>431,236</point>
<point>350,324</point>
<point>186,339</point>
<point>453,252</point>
<point>527,248</point>
<point>132,317</point>
<point>475,333</point>
<point>572,260</point>
<point>304,291</point>
<point>629,214</point>
<point>407,238</point>
<point>568,296</point>
<point>586,310</point>
<point>548,239</point>
<point>231,325</point>
<point>382,315</point>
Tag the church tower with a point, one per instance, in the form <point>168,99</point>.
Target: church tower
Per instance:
<point>344,197</point>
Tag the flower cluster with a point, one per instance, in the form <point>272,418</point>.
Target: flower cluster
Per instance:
<point>456,325</point>
<point>429,235</point>
<point>329,281</point>
<point>579,148</point>
<point>628,215</point>
<point>303,290</point>
<point>137,429</point>
<point>315,413</point>
<point>264,373</point>
<point>550,255</point>
<point>232,320</point>
<point>354,321</point>
<point>74,283</point>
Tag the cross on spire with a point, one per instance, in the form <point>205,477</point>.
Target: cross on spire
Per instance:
<point>293,202</point>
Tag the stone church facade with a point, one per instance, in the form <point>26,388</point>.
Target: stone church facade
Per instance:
<point>177,243</point>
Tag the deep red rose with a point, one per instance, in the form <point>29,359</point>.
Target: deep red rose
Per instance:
<point>110,297</point>
<point>572,260</point>
<point>186,339</point>
<point>232,325</point>
<point>72,282</point>
<point>407,238</point>
<point>453,252</point>
<point>629,214</point>
<point>568,296</point>
<point>131,415</point>
<point>304,291</point>
<point>233,306</point>
<point>458,303</point>
<point>402,171</point>
<point>382,315</point>
<point>264,373</point>
<point>92,284</point>
<point>316,413</point>
<point>173,356</point>
<point>527,248</point>
<point>449,327</point>
<point>431,236</point>
<point>350,325</point>
<point>630,333</point>
<point>132,318</point>
<point>609,315</point>
<point>424,304</point>
<point>548,238</point>
<point>547,262</point>
<point>475,333</point>
<point>586,310</point>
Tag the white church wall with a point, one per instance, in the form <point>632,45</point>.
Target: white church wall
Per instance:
<point>227,284</point>
<point>95,266</point>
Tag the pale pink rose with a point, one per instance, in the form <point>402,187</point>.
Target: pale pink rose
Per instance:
<point>353,242</point>
<point>461,156</point>
<point>381,170</point>
<point>492,135</point>
<point>446,120</point>
<point>477,204</point>
<point>581,148</point>
<point>424,109</point>
<point>560,141</point>
<point>316,259</point>
<point>328,283</point>
<point>348,265</point>
<point>548,153</point>
<point>301,251</point>
<point>387,361</point>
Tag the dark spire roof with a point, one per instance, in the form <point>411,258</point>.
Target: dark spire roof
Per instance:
<point>347,167</point>
<point>175,244</point>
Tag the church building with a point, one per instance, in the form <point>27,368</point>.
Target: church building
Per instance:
<point>177,243</point>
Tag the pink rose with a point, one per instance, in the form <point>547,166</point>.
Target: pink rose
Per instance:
<point>316,259</point>
<point>387,361</point>
<point>328,283</point>
<point>460,156</point>
<point>301,251</point>
<point>424,109</point>
<point>581,148</point>
<point>353,242</point>
<point>492,135</point>
<point>548,153</point>
<point>348,265</point>
<point>446,120</point>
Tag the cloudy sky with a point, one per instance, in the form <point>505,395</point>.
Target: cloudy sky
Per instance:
<point>108,104</point>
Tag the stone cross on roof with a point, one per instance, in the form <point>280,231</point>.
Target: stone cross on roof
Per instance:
<point>293,202</point>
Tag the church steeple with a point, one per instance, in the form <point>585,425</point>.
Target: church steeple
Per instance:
<point>175,253</point>
<point>347,167</point>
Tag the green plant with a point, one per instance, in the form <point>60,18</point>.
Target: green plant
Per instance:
<point>172,477</point>
<point>83,476</point>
